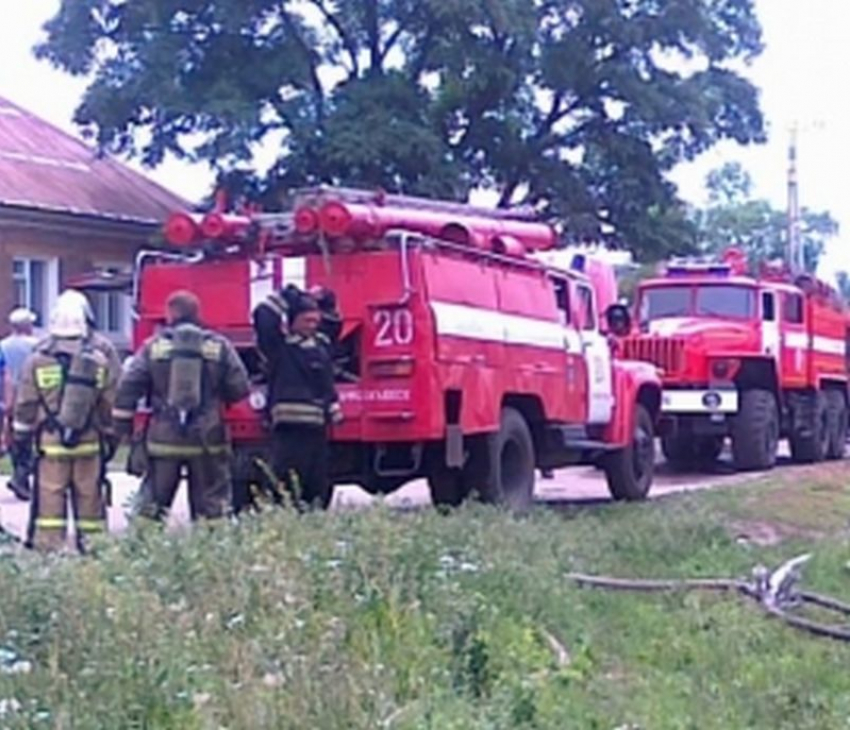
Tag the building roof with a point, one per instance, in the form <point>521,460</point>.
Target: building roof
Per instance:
<point>43,168</point>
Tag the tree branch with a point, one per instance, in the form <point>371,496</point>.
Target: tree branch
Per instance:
<point>347,43</point>
<point>417,68</point>
<point>373,32</point>
<point>391,41</point>
<point>508,193</point>
<point>309,55</point>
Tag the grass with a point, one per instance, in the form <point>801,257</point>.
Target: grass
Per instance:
<point>415,620</point>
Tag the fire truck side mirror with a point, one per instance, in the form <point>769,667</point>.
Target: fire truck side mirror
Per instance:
<point>619,320</point>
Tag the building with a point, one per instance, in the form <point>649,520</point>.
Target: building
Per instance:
<point>65,213</point>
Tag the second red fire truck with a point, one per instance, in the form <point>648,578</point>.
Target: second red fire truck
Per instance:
<point>754,359</point>
<point>471,351</point>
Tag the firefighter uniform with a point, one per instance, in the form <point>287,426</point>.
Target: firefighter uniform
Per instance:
<point>184,361</point>
<point>302,398</point>
<point>63,409</point>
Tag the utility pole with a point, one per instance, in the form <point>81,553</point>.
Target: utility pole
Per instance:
<point>795,247</point>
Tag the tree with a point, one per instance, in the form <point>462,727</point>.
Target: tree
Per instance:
<point>579,107</point>
<point>842,279</point>
<point>734,218</point>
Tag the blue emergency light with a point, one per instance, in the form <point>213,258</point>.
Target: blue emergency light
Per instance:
<point>699,269</point>
<point>579,262</point>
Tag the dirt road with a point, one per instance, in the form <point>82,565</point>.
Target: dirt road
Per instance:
<point>583,485</point>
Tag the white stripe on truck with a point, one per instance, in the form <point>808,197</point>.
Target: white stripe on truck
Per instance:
<point>487,325</point>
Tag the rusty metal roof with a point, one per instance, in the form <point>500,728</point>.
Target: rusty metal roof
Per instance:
<point>42,167</point>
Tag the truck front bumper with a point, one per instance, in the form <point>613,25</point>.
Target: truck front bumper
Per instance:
<point>707,401</point>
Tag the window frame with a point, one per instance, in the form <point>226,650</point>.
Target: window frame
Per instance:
<point>37,298</point>
<point>771,296</point>
<point>561,290</point>
<point>591,323</point>
<point>799,317</point>
<point>112,308</point>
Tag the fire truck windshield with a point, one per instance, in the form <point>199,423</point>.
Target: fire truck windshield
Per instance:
<point>735,302</point>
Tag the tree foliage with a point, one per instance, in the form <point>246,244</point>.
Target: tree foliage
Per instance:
<point>577,106</point>
<point>734,218</point>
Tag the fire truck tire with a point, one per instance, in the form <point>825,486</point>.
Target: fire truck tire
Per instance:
<point>629,470</point>
<point>812,445</point>
<point>501,466</point>
<point>836,413</point>
<point>755,431</point>
<point>446,486</point>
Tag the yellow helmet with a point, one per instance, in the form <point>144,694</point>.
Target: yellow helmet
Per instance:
<point>69,317</point>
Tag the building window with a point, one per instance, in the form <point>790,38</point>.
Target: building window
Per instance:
<point>32,288</point>
<point>111,310</point>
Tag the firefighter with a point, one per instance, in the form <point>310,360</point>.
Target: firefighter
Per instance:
<point>188,373</point>
<point>302,397</point>
<point>329,333</point>
<point>63,410</point>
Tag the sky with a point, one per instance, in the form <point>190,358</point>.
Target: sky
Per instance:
<point>800,74</point>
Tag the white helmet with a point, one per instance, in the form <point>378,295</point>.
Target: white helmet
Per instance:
<point>68,318</point>
<point>80,300</point>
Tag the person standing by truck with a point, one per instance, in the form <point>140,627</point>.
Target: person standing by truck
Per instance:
<point>15,348</point>
<point>62,412</point>
<point>188,373</point>
<point>303,400</point>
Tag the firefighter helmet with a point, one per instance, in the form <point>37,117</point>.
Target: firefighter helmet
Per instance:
<point>69,317</point>
<point>80,300</point>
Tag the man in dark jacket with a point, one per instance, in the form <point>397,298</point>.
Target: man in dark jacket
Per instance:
<point>189,374</point>
<point>302,397</point>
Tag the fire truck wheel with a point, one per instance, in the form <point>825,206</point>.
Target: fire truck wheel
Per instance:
<point>629,470</point>
<point>755,431</point>
<point>812,445</point>
<point>836,413</point>
<point>445,485</point>
<point>501,467</point>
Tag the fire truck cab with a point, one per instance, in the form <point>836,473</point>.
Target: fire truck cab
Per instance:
<point>470,354</point>
<point>752,359</point>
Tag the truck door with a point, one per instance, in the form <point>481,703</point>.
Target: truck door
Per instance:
<point>769,325</point>
<point>597,355</point>
<point>575,395</point>
<point>795,340</point>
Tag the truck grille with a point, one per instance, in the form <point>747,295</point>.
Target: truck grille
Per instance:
<point>667,353</point>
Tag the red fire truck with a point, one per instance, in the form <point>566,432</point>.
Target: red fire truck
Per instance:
<point>754,359</point>
<point>468,354</point>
